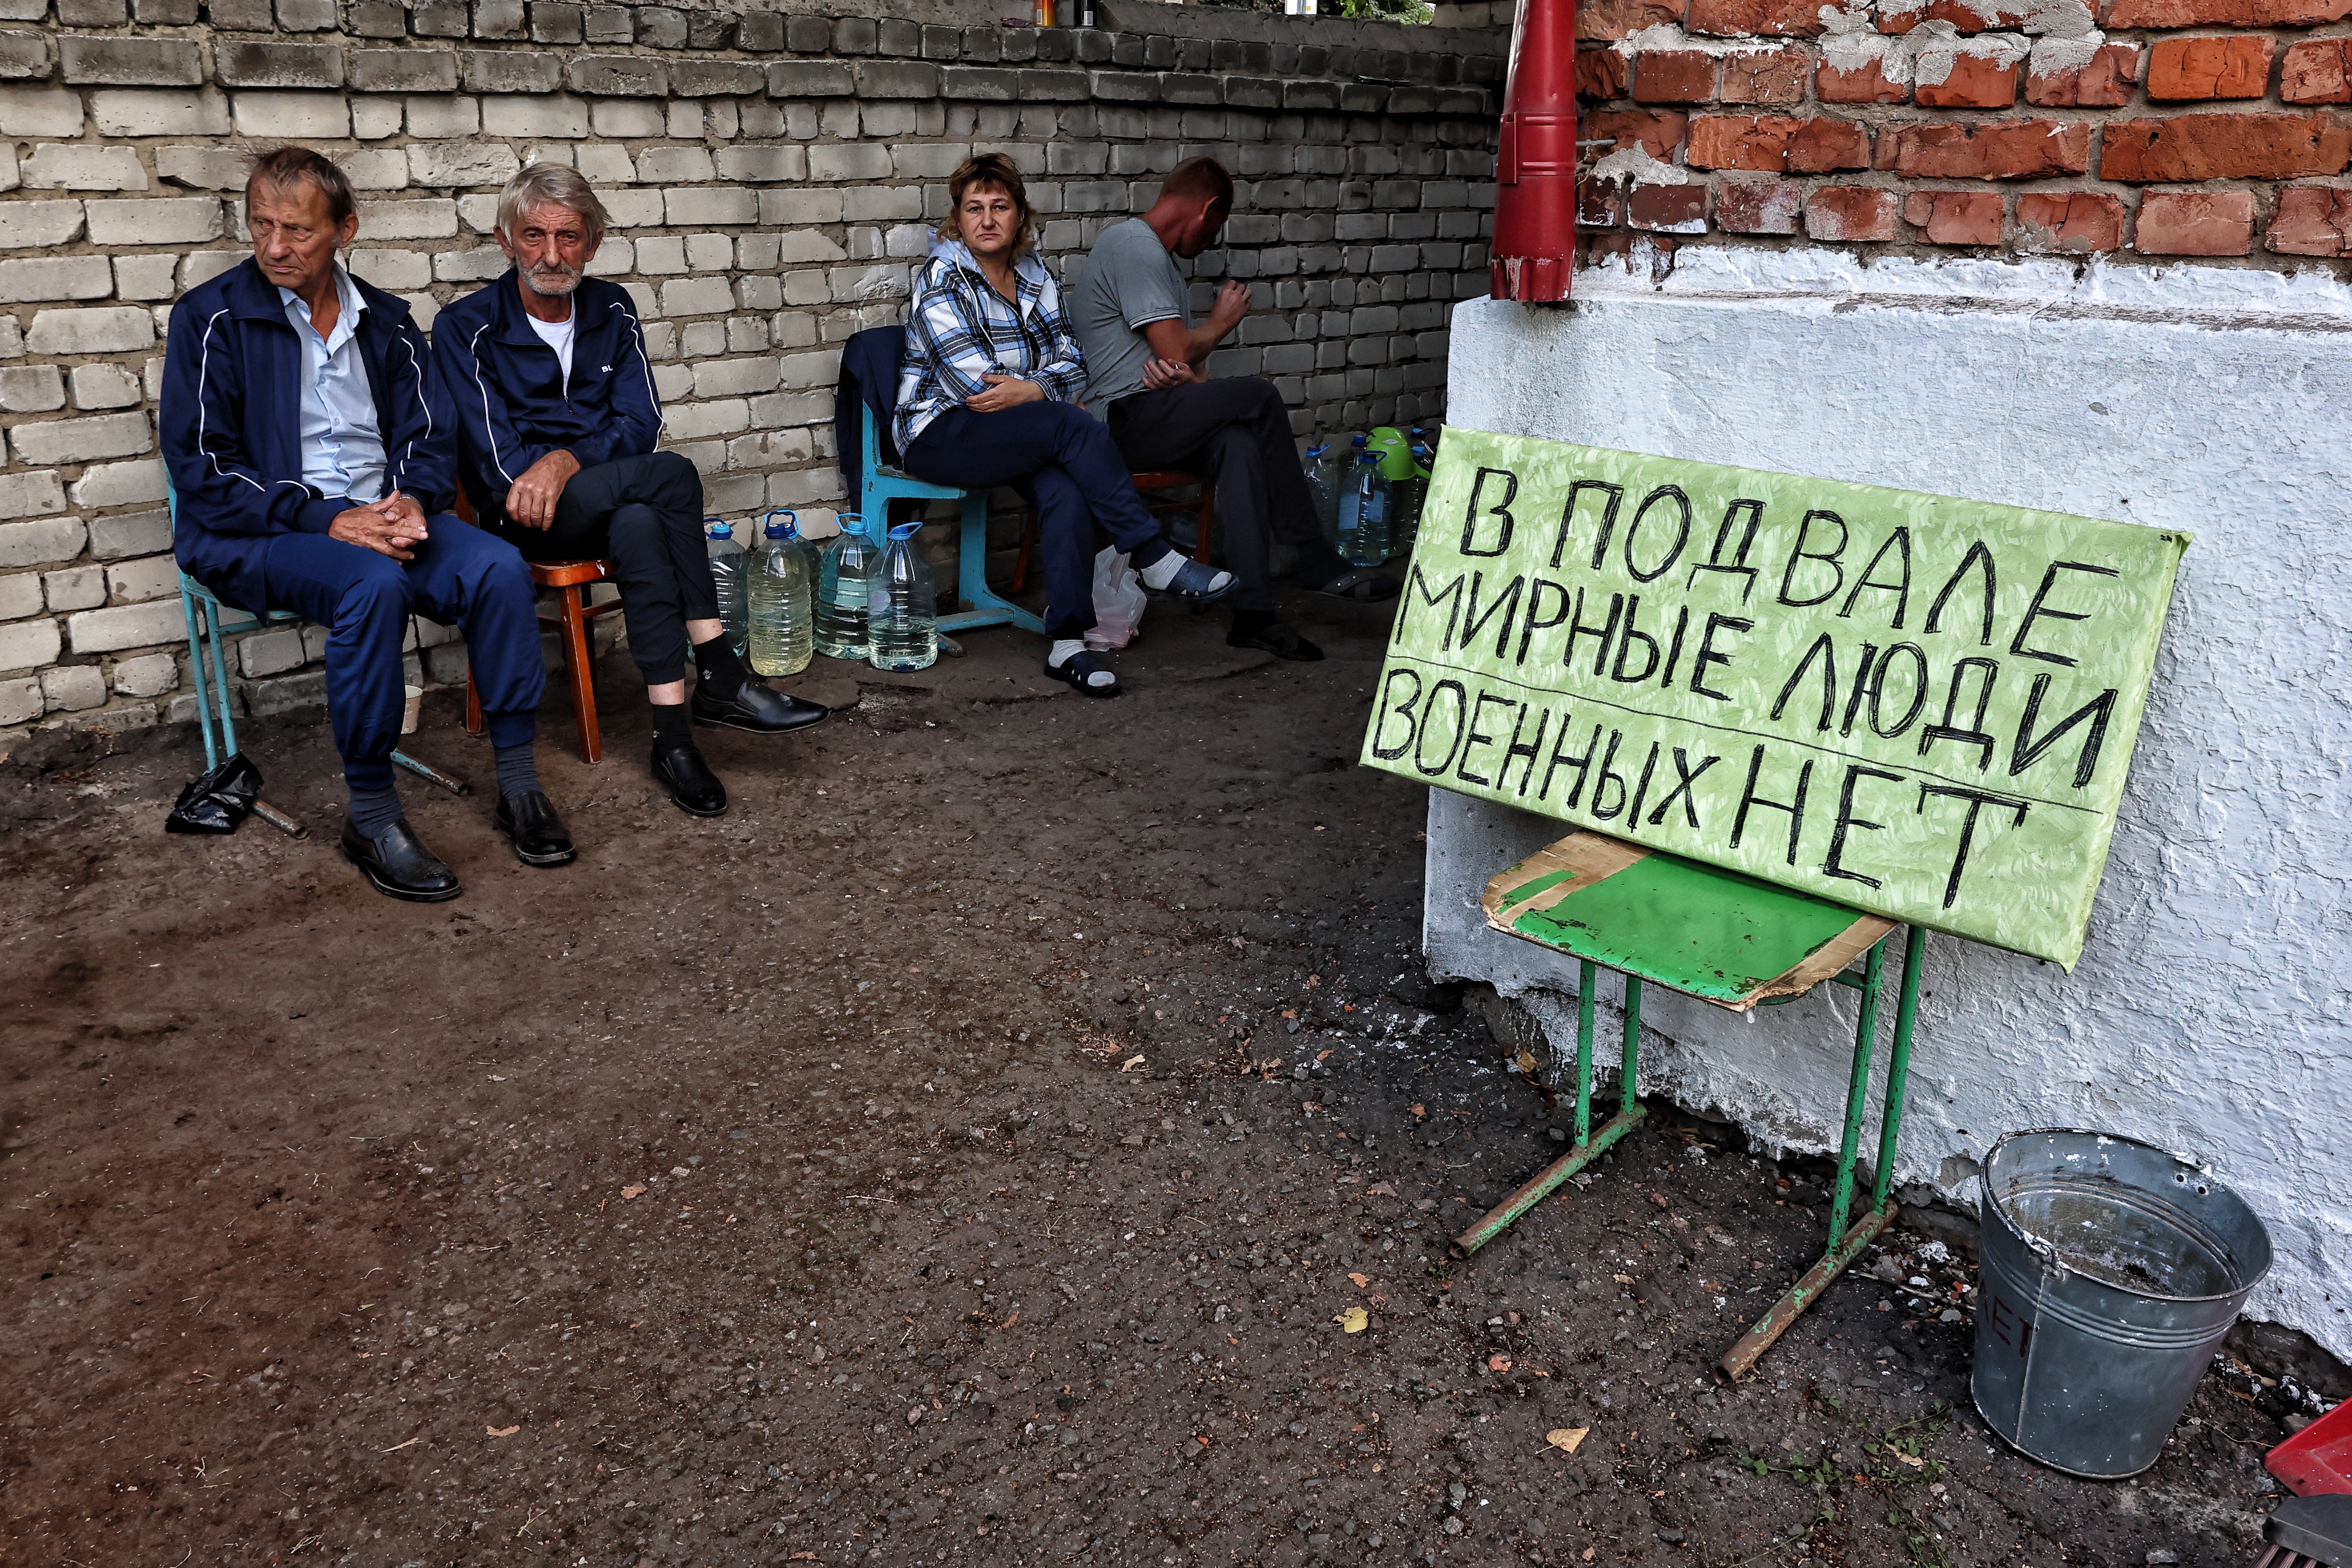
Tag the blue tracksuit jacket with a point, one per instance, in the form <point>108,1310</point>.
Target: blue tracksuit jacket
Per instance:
<point>508,392</point>
<point>231,424</point>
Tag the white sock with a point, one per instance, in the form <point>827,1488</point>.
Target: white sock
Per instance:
<point>1065,649</point>
<point>1162,572</point>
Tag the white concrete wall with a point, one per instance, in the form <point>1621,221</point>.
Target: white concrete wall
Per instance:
<point>2208,1013</point>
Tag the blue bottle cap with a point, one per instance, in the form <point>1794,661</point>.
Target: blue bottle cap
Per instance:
<point>787,528</point>
<point>718,528</point>
<point>849,521</point>
<point>905,530</point>
<point>1360,440</point>
<point>779,531</point>
<point>1317,451</point>
<point>1368,457</point>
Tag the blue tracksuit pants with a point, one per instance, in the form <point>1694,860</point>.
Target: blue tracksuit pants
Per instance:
<point>1063,459</point>
<point>363,598</point>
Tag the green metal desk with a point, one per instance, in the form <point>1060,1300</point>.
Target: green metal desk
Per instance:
<point>1724,938</point>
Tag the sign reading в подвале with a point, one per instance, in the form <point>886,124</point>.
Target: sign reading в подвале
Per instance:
<point>1917,706</point>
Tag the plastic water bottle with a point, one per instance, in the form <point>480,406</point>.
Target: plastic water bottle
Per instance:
<point>727,562</point>
<point>1322,491</point>
<point>905,607</point>
<point>843,582</point>
<point>783,596</point>
<point>1364,518</point>
<point>1415,494</point>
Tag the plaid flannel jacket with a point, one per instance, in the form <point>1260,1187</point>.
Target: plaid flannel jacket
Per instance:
<point>960,329</point>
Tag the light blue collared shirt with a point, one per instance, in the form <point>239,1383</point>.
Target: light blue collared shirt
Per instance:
<point>342,449</point>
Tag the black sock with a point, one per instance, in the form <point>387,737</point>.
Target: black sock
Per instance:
<point>672,725</point>
<point>518,771</point>
<point>722,673</point>
<point>375,810</point>
<point>1249,622</point>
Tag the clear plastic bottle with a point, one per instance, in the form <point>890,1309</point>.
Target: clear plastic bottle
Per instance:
<point>782,597</point>
<point>1416,493</point>
<point>1369,508</point>
<point>729,563</point>
<point>1322,492</point>
<point>843,582</point>
<point>905,607</point>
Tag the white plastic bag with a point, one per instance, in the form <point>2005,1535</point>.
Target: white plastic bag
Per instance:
<point>1119,602</point>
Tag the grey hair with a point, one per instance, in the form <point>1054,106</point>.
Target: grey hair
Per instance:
<point>558,184</point>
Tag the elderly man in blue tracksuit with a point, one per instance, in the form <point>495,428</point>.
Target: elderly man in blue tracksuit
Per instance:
<point>313,473</point>
<point>547,373</point>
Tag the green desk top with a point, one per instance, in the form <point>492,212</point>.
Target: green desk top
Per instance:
<point>1713,933</point>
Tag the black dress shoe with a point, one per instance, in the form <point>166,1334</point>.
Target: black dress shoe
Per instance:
<point>756,708</point>
<point>691,783</point>
<point>540,837</point>
<point>399,865</point>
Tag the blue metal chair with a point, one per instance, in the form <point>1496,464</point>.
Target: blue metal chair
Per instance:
<point>880,485</point>
<point>207,620</point>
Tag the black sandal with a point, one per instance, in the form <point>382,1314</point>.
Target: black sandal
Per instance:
<point>1076,671</point>
<point>1360,584</point>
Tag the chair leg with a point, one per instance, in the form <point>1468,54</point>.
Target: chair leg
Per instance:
<point>197,668</point>
<point>473,701</point>
<point>1208,520</point>
<point>580,671</point>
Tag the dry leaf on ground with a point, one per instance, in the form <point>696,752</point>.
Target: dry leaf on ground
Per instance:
<point>633,1191</point>
<point>502,1431</point>
<point>1566,1438</point>
<point>1354,1320</point>
<point>1498,1363</point>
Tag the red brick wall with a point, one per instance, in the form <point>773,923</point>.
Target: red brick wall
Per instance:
<point>2214,128</point>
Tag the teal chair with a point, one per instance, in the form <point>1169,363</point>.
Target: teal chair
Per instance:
<point>208,620</point>
<point>880,484</point>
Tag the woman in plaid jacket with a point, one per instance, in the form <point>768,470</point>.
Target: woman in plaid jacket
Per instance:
<point>987,397</point>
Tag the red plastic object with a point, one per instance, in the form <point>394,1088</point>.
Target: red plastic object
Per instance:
<point>2317,1461</point>
<point>1535,158</point>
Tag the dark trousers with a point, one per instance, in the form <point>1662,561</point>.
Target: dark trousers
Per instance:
<point>1235,431</point>
<point>363,598</point>
<point>645,515</point>
<point>1064,462</point>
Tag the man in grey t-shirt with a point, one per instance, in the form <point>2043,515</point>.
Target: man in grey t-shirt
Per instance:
<point>1143,357</point>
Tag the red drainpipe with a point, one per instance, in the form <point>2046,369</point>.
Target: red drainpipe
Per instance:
<point>1535,161</point>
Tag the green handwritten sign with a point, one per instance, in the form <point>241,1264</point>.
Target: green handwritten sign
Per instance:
<point>1914,705</point>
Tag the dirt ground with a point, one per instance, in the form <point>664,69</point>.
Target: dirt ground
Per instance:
<point>960,1151</point>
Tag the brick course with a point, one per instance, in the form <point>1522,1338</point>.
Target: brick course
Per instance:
<point>772,179</point>
<point>2064,122</point>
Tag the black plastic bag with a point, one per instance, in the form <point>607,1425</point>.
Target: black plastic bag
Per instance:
<point>215,801</point>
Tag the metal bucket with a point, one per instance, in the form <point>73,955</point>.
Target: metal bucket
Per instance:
<point>2112,1269</point>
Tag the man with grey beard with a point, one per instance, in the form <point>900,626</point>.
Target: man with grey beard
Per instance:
<point>547,372</point>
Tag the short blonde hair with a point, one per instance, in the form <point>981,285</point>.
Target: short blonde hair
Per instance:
<point>989,171</point>
<point>560,185</point>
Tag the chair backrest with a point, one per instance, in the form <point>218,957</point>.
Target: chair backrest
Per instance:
<point>869,365</point>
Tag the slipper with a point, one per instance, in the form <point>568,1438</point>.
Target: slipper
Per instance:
<point>1360,583</point>
<point>1080,669</point>
<point>1196,583</point>
<point>1277,639</point>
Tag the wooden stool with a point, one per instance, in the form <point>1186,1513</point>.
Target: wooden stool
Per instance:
<point>573,614</point>
<point>1148,480</point>
<point>570,623</point>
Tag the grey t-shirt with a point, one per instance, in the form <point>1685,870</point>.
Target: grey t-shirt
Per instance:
<point>1129,282</point>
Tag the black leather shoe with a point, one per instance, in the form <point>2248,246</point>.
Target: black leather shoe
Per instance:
<point>756,708</point>
<point>691,783</point>
<point>398,864</point>
<point>540,837</point>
